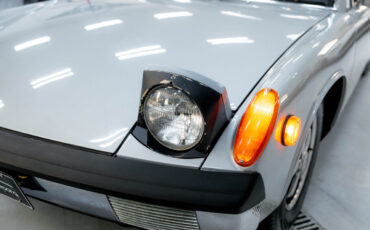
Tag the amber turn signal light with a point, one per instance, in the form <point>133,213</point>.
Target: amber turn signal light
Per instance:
<point>287,130</point>
<point>256,127</point>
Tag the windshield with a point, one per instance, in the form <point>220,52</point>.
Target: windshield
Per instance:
<point>316,2</point>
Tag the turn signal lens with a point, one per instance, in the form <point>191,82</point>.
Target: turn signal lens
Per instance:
<point>256,127</point>
<point>287,130</point>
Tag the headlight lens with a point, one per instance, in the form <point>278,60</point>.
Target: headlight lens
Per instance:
<point>173,118</point>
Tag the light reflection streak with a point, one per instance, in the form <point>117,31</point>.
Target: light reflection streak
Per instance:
<point>231,40</point>
<point>139,52</point>
<point>316,45</point>
<point>173,15</point>
<point>111,139</point>
<point>362,8</point>
<point>299,17</point>
<point>51,78</point>
<point>283,98</point>
<point>264,1</point>
<point>31,43</point>
<point>1,104</point>
<point>293,36</point>
<point>103,24</point>
<point>297,58</point>
<point>239,15</point>
<point>327,47</point>
<point>182,1</point>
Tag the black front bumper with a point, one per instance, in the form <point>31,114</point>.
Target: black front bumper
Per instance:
<point>188,188</point>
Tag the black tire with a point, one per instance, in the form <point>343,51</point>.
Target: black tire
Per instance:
<point>282,218</point>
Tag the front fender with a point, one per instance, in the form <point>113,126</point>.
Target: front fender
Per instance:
<point>302,77</point>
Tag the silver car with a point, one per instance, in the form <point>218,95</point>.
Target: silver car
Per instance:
<point>175,114</point>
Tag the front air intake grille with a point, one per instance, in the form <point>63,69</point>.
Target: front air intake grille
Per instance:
<point>305,222</point>
<point>153,217</point>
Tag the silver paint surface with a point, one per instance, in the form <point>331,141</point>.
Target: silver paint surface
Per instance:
<point>77,199</point>
<point>81,92</point>
<point>72,72</point>
<point>302,77</point>
<point>132,148</point>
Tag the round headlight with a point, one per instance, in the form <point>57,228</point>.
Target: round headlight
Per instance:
<point>173,118</point>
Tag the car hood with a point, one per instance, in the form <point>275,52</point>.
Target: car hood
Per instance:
<point>72,72</point>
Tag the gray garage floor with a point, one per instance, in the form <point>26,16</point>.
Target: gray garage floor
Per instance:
<point>338,198</point>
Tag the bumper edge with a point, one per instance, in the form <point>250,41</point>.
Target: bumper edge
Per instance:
<point>187,188</point>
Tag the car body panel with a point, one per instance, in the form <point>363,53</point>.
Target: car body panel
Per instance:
<point>92,203</point>
<point>132,148</point>
<point>302,71</point>
<point>334,49</point>
<point>247,220</point>
<point>68,87</point>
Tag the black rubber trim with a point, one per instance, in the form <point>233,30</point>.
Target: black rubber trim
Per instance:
<point>315,2</point>
<point>189,188</point>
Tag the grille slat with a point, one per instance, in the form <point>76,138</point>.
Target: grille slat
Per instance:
<point>151,209</point>
<point>305,222</point>
<point>153,226</point>
<point>169,217</point>
<point>153,217</point>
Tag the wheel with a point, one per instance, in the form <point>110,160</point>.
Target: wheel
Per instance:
<point>283,217</point>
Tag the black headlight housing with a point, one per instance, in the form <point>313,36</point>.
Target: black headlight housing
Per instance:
<point>210,97</point>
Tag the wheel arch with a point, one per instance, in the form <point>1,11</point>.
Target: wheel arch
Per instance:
<point>333,102</point>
